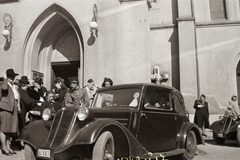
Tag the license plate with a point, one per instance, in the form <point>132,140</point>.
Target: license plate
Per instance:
<point>44,153</point>
<point>220,135</point>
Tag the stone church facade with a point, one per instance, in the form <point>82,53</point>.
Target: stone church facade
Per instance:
<point>195,42</point>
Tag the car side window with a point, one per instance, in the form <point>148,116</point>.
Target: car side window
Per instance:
<point>157,99</point>
<point>178,106</point>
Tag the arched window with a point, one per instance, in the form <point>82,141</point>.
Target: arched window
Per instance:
<point>218,9</point>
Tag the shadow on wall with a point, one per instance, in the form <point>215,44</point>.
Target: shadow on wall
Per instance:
<point>213,105</point>
<point>91,40</point>
<point>7,46</point>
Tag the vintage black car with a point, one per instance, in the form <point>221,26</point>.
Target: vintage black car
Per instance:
<point>129,120</point>
<point>226,128</point>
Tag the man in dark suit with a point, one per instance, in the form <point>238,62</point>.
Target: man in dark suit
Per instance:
<point>26,102</point>
<point>9,108</point>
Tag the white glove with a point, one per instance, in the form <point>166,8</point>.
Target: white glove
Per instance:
<point>41,99</point>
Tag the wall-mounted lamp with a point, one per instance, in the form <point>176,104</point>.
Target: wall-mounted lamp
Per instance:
<point>7,32</point>
<point>93,24</point>
<point>156,77</point>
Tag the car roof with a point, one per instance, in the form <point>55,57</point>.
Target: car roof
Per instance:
<point>139,85</point>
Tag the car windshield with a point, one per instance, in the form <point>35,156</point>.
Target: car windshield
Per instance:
<point>117,97</point>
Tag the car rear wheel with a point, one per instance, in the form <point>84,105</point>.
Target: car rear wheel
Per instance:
<point>218,140</point>
<point>191,146</point>
<point>104,147</point>
<point>238,137</point>
<point>29,152</point>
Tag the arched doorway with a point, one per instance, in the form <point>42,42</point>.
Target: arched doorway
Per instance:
<point>238,80</point>
<point>53,47</point>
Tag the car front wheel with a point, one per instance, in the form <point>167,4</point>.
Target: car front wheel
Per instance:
<point>238,137</point>
<point>29,152</point>
<point>218,140</point>
<point>191,146</point>
<point>104,147</point>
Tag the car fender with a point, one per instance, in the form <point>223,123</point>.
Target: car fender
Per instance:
<point>216,126</point>
<point>186,128</point>
<point>35,133</point>
<point>233,128</point>
<point>96,127</point>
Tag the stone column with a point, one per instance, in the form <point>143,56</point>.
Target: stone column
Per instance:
<point>189,85</point>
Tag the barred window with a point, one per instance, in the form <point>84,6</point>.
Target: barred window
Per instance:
<point>218,9</point>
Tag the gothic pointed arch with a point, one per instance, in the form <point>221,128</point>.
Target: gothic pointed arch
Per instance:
<point>236,76</point>
<point>53,38</point>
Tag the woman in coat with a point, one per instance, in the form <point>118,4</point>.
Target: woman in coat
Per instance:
<point>9,108</point>
<point>201,117</point>
<point>59,90</point>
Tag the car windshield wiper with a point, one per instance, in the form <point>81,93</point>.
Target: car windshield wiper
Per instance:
<point>113,103</point>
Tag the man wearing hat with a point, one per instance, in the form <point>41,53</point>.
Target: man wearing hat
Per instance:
<point>9,108</point>
<point>26,102</point>
<point>76,97</point>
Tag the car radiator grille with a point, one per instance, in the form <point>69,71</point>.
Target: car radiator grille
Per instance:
<point>60,128</point>
<point>226,125</point>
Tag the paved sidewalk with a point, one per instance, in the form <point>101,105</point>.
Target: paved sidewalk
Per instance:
<point>212,118</point>
<point>18,156</point>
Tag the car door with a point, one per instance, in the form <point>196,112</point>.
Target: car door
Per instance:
<point>157,126</point>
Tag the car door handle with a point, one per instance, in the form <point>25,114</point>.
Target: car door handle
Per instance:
<point>144,115</point>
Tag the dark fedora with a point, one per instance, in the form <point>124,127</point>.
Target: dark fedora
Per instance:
<point>10,72</point>
<point>73,80</point>
<point>24,80</point>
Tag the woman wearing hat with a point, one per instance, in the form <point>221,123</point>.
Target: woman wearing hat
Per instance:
<point>201,117</point>
<point>59,90</point>
<point>107,82</point>
<point>9,108</point>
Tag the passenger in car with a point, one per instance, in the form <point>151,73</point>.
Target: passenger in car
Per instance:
<point>151,101</point>
<point>107,100</point>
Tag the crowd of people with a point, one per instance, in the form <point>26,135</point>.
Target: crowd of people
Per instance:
<point>22,102</point>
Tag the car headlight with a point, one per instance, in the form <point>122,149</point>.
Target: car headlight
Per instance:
<point>234,118</point>
<point>221,117</point>
<point>47,114</point>
<point>82,113</point>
